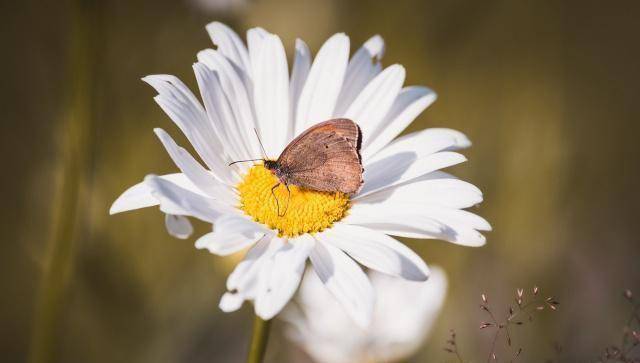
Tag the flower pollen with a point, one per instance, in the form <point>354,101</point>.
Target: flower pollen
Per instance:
<point>305,211</point>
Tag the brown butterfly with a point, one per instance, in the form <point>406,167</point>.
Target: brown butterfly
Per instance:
<point>326,157</point>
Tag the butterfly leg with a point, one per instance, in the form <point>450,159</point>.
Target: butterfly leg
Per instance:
<point>276,198</point>
<point>288,200</point>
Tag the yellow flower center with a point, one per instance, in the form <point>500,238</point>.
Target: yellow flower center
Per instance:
<point>303,211</point>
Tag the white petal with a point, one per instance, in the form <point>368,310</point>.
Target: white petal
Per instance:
<point>255,37</point>
<point>271,94</point>
<point>200,177</point>
<point>247,270</point>
<point>230,302</point>
<point>322,326</point>
<point>401,328</point>
<point>176,200</point>
<point>178,226</point>
<point>377,251</point>
<point>231,234</point>
<point>461,141</point>
<point>221,115</point>
<point>255,281</point>
<point>140,196</point>
<point>457,217</point>
<point>404,220</point>
<point>402,167</point>
<point>248,278</point>
<point>388,210</point>
<point>362,68</point>
<point>299,73</point>
<point>225,244</point>
<point>238,96</point>
<point>399,224</point>
<point>135,197</point>
<point>374,102</point>
<point>425,142</point>
<point>346,281</point>
<point>229,44</point>
<point>444,192</point>
<point>186,111</point>
<point>318,97</point>
<point>410,103</point>
<point>460,235</point>
<point>288,267</point>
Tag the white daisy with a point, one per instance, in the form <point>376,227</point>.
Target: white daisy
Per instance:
<point>404,194</point>
<point>404,314</point>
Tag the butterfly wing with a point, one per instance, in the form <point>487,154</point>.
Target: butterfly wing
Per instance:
<point>326,157</point>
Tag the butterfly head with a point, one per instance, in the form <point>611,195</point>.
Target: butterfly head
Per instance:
<point>276,169</point>
<point>271,165</point>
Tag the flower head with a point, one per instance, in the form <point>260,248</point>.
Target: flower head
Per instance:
<point>403,316</point>
<point>247,90</point>
<point>307,211</point>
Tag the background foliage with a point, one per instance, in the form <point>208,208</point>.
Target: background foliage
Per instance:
<point>546,90</point>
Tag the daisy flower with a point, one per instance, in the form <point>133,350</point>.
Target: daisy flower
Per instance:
<point>247,90</point>
<point>319,325</point>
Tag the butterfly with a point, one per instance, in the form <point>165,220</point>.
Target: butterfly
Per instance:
<point>325,157</point>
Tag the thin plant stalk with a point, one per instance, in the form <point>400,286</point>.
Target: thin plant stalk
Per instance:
<point>74,144</point>
<point>259,339</point>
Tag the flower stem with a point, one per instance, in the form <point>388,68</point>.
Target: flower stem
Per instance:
<point>259,339</point>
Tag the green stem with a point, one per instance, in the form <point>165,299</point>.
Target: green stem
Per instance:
<point>259,339</point>
<point>74,149</point>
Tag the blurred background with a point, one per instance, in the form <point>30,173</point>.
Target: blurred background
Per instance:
<point>546,90</point>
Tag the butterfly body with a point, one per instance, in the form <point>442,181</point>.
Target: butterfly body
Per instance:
<point>326,157</point>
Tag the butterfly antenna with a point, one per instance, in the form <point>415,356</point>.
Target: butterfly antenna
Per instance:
<point>264,153</point>
<point>243,161</point>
